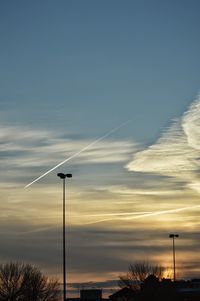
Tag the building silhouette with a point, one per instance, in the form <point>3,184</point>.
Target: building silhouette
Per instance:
<point>152,289</point>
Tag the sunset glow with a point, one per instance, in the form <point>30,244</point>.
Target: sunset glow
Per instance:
<point>107,91</point>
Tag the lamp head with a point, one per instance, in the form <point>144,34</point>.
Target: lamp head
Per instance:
<point>173,235</point>
<point>63,176</point>
<point>68,175</point>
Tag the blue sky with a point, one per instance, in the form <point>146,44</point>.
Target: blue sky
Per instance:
<point>113,61</point>
<point>70,71</point>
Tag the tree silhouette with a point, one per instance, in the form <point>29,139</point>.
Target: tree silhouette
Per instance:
<point>138,272</point>
<point>23,282</point>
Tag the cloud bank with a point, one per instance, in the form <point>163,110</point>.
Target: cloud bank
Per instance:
<point>176,153</point>
<point>115,217</point>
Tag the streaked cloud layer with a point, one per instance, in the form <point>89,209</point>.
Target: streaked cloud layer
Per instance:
<point>111,210</point>
<point>78,153</point>
<point>33,150</point>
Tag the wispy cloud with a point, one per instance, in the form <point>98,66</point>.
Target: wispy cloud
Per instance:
<point>76,154</point>
<point>176,153</point>
<point>27,151</point>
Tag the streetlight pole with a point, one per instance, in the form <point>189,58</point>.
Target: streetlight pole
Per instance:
<point>63,177</point>
<point>173,249</point>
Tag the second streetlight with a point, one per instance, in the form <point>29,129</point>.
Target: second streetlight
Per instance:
<point>173,249</point>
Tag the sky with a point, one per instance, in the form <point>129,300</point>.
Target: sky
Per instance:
<point>71,72</point>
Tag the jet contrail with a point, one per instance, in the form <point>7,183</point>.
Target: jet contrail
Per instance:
<point>79,152</point>
<point>155,213</point>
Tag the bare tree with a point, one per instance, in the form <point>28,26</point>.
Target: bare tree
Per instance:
<point>22,282</point>
<point>138,272</point>
<point>10,281</point>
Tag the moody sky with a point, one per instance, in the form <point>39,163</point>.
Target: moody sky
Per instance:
<point>71,71</point>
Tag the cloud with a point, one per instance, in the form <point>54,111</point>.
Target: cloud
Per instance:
<point>115,217</point>
<point>176,153</point>
<point>25,152</point>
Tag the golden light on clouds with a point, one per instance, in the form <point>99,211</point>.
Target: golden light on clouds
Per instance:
<point>115,215</point>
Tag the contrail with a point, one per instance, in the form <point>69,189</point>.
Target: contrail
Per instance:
<point>79,152</point>
<point>143,215</point>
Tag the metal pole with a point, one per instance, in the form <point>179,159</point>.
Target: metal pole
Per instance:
<point>64,254</point>
<point>63,176</point>
<point>174,259</point>
<point>173,236</point>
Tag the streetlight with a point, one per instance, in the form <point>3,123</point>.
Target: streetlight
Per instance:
<point>63,177</point>
<point>173,236</point>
